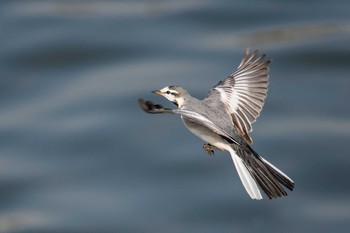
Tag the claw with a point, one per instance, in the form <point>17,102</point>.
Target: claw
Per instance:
<point>210,149</point>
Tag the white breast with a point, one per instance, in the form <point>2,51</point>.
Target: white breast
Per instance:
<point>206,134</point>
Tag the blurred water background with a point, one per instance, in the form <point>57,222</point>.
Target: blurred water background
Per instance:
<point>78,155</point>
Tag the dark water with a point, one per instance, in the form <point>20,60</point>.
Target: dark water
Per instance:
<point>78,155</point>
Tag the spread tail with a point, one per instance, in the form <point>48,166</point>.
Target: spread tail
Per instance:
<point>255,171</point>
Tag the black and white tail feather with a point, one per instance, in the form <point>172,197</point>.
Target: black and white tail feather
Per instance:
<point>254,170</point>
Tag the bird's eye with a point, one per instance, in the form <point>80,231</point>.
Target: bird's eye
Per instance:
<point>168,92</point>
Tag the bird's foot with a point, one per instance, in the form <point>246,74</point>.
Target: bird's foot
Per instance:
<point>210,149</point>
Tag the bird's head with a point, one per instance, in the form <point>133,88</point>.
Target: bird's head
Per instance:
<point>174,94</point>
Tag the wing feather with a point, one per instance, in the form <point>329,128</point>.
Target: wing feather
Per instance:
<point>244,91</point>
<point>202,120</point>
<point>152,108</point>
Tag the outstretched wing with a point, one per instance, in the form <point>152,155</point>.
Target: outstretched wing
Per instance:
<point>149,107</point>
<point>244,92</point>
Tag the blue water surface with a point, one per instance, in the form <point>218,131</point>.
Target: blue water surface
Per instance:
<point>77,154</point>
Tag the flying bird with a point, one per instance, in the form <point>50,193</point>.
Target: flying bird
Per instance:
<point>224,120</point>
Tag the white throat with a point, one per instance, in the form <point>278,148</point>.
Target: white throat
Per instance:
<point>180,101</point>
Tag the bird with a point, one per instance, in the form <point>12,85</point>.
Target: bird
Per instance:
<point>223,119</point>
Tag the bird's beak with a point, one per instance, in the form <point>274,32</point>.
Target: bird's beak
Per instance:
<point>157,92</point>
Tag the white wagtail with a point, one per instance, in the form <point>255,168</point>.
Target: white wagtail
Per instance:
<point>223,119</point>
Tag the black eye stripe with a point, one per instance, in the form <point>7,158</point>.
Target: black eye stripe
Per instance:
<point>173,93</point>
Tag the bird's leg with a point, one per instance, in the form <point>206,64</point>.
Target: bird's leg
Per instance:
<point>210,149</point>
